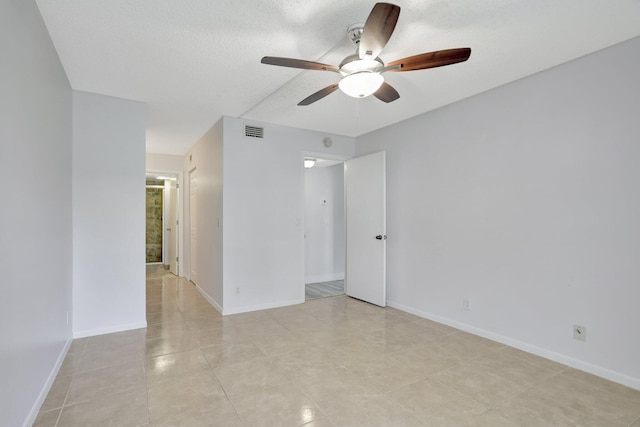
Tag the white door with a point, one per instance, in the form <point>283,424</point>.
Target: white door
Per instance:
<point>193,221</point>
<point>365,193</point>
<point>173,227</point>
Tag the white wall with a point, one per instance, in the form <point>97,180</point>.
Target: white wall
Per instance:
<point>526,200</point>
<point>35,212</point>
<point>324,251</point>
<point>263,211</point>
<point>206,159</point>
<point>108,214</point>
<point>164,162</point>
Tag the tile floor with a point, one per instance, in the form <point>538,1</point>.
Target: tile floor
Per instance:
<point>329,362</point>
<point>323,289</point>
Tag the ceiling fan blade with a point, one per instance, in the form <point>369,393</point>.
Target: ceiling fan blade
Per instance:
<point>386,93</point>
<point>319,95</point>
<point>378,29</point>
<point>431,59</point>
<point>298,63</point>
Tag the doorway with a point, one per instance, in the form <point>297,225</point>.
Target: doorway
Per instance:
<point>324,229</point>
<point>162,222</point>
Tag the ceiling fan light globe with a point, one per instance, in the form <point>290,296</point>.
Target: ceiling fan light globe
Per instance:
<point>361,84</point>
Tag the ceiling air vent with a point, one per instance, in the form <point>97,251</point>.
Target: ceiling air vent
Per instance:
<point>253,131</point>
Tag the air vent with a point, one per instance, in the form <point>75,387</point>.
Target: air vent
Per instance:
<point>253,131</point>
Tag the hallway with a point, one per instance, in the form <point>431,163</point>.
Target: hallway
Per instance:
<point>329,362</point>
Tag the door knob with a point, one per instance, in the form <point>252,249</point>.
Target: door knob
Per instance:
<point>381,237</point>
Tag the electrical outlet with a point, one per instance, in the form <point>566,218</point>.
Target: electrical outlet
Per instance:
<point>579,332</point>
<point>466,305</point>
<point>238,290</point>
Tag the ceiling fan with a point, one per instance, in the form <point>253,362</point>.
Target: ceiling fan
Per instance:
<point>361,73</point>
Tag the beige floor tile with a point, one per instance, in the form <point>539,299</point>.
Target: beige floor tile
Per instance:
<point>446,329</point>
<point>78,345</point>
<point>96,358</point>
<point>165,330</point>
<point>286,342</point>
<point>188,398</point>
<point>122,409</point>
<point>47,418</point>
<point>332,362</point>
<point>224,334</point>
<point>231,354</point>
<point>249,377</point>
<point>600,403</point>
<point>321,422</point>
<point>105,382</point>
<point>164,317</point>
<point>337,396</point>
<point>169,345</point>
<point>277,406</point>
<point>376,412</point>
<point>479,385</point>
<point>204,323</point>
<point>106,341</point>
<point>533,359</point>
<point>417,331</point>
<point>465,346</point>
<point>200,311</point>
<point>259,330</point>
<point>491,419</point>
<point>217,414</point>
<point>58,393</point>
<point>307,362</point>
<point>426,360</point>
<point>70,364</point>
<point>601,383</point>
<point>437,404</point>
<point>533,409</point>
<point>513,368</point>
<point>175,365</point>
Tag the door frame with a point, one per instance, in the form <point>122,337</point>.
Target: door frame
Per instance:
<point>324,156</point>
<point>179,213</point>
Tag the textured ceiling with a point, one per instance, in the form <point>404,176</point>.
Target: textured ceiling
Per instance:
<point>193,61</point>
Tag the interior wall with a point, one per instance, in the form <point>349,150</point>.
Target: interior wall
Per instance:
<point>206,158</point>
<point>525,200</point>
<point>35,213</point>
<point>263,211</point>
<point>108,214</point>
<point>324,251</point>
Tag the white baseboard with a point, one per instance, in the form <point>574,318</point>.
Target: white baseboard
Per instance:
<point>538,351</point>
<point>209,299</point>
<point>109,330</point>
<point>33,414</point>
<point>249,308</point>
<point>324,278</point>
<point>245,309</point>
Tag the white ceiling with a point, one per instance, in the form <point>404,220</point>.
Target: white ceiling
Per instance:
<point>193,61</point>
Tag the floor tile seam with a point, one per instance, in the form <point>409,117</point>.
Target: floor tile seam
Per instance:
<point>102,396</point>
<point>587,383</point>
<point>532,361</point>
<point>506,378</point>
<point>489,407</point>
<point>499,377</point>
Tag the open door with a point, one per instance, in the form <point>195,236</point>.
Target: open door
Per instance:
<point>365,193</point>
